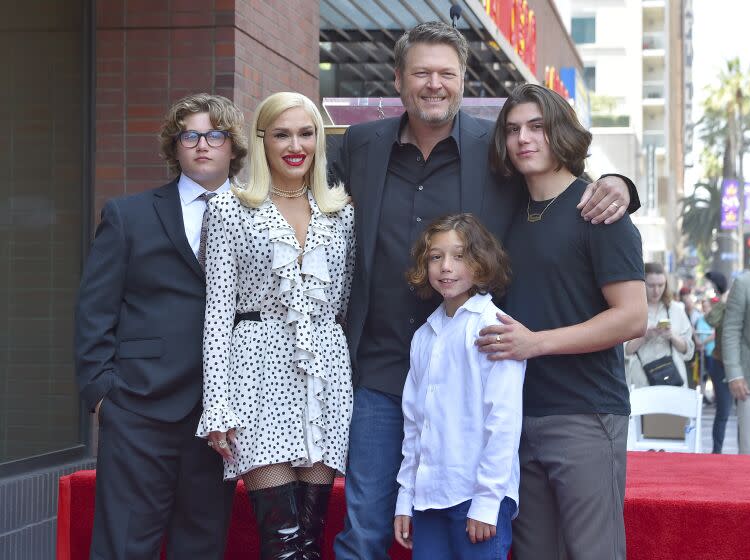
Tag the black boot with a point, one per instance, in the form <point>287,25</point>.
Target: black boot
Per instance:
<point>312,503</point>
<point>278,522</point>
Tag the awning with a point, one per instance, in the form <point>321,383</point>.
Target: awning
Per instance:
<point>357,39</point>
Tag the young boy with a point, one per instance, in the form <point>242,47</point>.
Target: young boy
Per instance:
<point>462,412</point>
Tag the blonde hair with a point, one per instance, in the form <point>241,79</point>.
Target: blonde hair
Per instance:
<point>329,199</point>
<point>224,115</point>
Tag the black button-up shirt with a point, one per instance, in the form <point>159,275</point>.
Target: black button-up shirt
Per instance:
<point>416,192</point>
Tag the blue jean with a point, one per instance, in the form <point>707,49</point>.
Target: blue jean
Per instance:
<point>723,399</point>
<point>375,437</point>
<point>440,534</point>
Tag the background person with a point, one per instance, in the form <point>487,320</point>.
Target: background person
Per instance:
<point>139,328</point>
<point>277,380</point>
<point>669,330</point>
<point>736,354</point>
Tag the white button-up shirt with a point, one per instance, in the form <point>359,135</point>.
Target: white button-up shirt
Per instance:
<point>192,208</point>
<point>462,418</point>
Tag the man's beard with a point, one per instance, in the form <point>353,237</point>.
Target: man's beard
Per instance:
<point>431,118</point>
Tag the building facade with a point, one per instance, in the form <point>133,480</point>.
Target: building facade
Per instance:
<point>635,63</point>
<point>86,84</point>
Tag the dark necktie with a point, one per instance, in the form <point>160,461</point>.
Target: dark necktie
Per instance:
<point>205,197</point>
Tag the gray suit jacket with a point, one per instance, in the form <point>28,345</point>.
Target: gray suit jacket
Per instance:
<point>736,336</point>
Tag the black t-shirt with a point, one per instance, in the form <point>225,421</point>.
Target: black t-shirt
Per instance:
<point>560,263</point>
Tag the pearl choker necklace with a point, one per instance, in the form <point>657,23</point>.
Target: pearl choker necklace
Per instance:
<point>289,194</point>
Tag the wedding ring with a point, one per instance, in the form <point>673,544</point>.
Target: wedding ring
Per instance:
<point>210,443</point>
<point>222,444</point>
<point>499,338</point>
<point>616,205</point>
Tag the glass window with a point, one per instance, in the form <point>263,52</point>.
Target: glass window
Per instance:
<point>583,29</point>
<point>41,199</point>
<point>589,77</point>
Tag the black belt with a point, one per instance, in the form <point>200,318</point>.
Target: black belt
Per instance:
<point>249,316</point>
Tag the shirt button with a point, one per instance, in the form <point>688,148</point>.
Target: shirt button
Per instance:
<point>411,288</point>
<point>411,320</point>
<point>419,219</point>
<point>419,158</point>
<point>420,187</point>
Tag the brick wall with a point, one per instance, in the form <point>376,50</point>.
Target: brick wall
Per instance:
<point>150,53</point>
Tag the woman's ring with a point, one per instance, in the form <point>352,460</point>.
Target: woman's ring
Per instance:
<point>222,444</point>
<point>499,338</point>
<point>616,205</point>
<point>210,443</point>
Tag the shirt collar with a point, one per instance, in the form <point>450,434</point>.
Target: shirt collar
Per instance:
<point>475,304</point>
<point>455,130</point>
<point>190,190</point>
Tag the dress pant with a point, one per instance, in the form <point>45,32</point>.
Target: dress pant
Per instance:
<point>572,488</point>
<point>375,437</point>
<point>743,426</point>
<point>156,480</point>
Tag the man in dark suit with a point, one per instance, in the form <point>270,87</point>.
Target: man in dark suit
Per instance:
<point>402,173</point>
<point>138,348</point>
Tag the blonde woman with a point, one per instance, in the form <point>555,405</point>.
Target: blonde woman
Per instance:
<point>277,379</point>
<point>669,330</point>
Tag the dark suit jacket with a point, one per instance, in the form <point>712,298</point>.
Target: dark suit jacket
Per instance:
<point>361,162</point>
<point>139,318</point>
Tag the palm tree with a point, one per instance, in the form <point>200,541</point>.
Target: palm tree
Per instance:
<point>726,117</point>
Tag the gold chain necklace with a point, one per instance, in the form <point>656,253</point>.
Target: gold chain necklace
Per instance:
<point>536,216</point>
<point>289,194</point>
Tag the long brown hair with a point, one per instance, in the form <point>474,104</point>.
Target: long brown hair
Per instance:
<point>658,268</point>
<point>568,140</point>
<point>483,254</point>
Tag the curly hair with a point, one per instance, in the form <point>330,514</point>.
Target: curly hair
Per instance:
<point>568,140</point>
<point>483,254</point>
<point>224,115</point>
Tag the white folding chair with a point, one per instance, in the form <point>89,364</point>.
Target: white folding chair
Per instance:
<point>663,399</point>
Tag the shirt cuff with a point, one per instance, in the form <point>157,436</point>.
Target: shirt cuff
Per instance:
<point>484,509</point>
<point>732,372</point>
<point>404,502</point>
<point>217,419</point>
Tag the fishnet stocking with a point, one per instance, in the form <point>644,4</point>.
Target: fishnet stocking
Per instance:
<point>270,476</point>
<point>317,474</point>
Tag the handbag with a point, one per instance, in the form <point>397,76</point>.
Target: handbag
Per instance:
<point>662,371</point>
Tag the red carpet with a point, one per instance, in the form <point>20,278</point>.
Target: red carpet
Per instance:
<point>75,512</point>
<point>686,506</point>
<point>677,507</point>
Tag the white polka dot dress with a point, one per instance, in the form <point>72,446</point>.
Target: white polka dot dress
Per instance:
<point>284,382</point>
